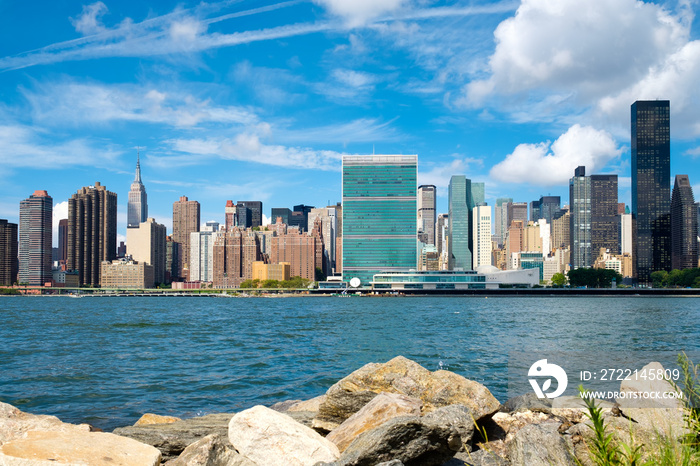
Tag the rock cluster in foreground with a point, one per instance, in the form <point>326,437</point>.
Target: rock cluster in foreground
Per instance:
<point>391,414</point>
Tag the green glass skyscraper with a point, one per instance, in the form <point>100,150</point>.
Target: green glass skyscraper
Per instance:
<point>379,214</point>
<point>461,203</point>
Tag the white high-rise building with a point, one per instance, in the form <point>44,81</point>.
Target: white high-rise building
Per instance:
<point>546,235</point>
<point>202,253</point>
<point>137,206</point>
<point>626,233</point>
<point>481,232</point>
<point>426,213</point>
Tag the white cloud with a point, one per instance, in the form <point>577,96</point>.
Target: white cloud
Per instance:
<point>348,87</point>
<point>694,153</point>
<point>358,12</point>
<point>568,61</point>
<point>248,147</point>
<point>440,174</point>
<point>89,21</point>
<point>355,131</point>
<point>24,146</point>
<point>676,79</point>
<point>87,103</point>
<point>593,47</point>
<point>60,212</point>
<point>546,164</point>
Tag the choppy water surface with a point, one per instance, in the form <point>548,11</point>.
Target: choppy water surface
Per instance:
<point>106,361</point>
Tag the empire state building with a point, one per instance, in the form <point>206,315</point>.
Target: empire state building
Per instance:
<point>137,205</point>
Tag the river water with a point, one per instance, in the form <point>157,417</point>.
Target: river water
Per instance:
<point>106,361</point>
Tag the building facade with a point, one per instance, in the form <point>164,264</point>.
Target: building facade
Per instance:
<point>185,221</point>
<point>137,205</point>
<point>202,253</point>
<point>460,204</point>
<point>379,214</point>
<point>234,255</point>
<point>605,229</point>
<point>684,225</point>
<point>9,266</point>
<point>501,219</point>
<point>35,233</point>
<point>546,207</point>
<point>426,213</point>
<point>481,232</point>
<point>92,232</point>
<point>126,274</point>
<point>651,186</point>
<point>147,244</point>
<point>249,214</point>
<point>300,250</point>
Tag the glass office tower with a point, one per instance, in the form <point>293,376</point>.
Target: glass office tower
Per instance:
<point>379,214</point>
<point>460,228</point>
<point>651,186</point>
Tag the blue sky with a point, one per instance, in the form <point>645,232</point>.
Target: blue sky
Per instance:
<point>258,100</point>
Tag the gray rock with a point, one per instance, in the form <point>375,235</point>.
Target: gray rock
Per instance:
<point>457,416</point>
<point>172,439</point>
<point>481,458</point>
<point>302,417</point>
<point>391,463</point>
<point>400,375</point>
<point>540,445</point>
<point>283,406</point>
<point>340,404</point>
<point>410,439</point>
<point>212,450</point>
<point>527,402</point>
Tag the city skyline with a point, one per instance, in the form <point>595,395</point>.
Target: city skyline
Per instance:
<point>259,100</point>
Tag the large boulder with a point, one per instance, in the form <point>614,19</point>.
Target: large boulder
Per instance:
<point>15,423</point>
<point>413,440</point>
<point>171,439</point>
<point>664,415</point>
<point>44,448</point>
<point>382,408</point>
<point>270,438</point>
<point>401,375</point>
<point>212,450</point>
<point>540,445</point>
<point>458,417</point>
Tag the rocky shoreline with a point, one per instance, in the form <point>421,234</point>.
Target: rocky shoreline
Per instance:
<point>391,414</point>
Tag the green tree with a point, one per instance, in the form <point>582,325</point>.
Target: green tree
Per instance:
<point>270,284</point>
<point>675,278</point>
<point>320,276</point>
<point>559,279</point>
<point>659,279</point>
<point>247,284</point>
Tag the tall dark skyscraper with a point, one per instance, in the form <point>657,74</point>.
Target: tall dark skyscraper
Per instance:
<point>651,186</point>
<point>594,221</point>
<point>137,206</point>
<point>62,239</point>
<point>283,212</point>
<point>35,229</point>
<point>545,208</point>
<point>249,214</point>
<point>605,223</point>
<point>8,253</point>
<point>92,232</point>
<point>684,225</point>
